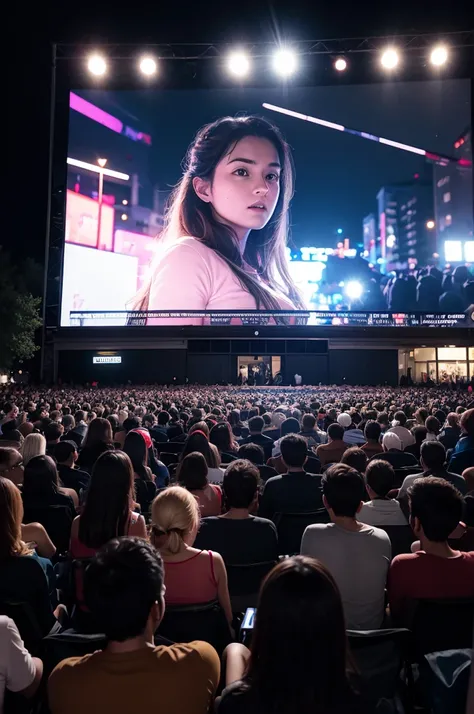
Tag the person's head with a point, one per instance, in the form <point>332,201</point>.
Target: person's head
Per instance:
<point>356,458</point>
<point>432,425</point>
<point>110,496</point>
<point>299,651</point>
<point>132,422</point>
<point>289,426</point>
<point>466,422</point>
<point>308,422</point>
<point>80,415</point>
<point>343,490</point>
<point>234,417</point>
<point>335,432</point>
<point>253,453</point>
<point>240,484</point>
<point>277,418</point>
<point>453,420</point>
<point>68,422</point>
<point>135,447</point>
<point>149,420</point>
<point>380,478</point>
<point>436,508</point>
<point>401,417</point>
<point>421,415</point>
<point>33,445</point>
<point>344,420</point>
<point>419,432</point>
<point>221,436</point>
<point>468,476</point>
<point>10,458</point>
<point>432,455</point>
<point>198,441</point>
<point>372,431</point>
<point>391,442</point>
<point>123,589</point>
<point>294,451</point>
<point>53,432</point>
<point>11,516</point>
<point>40,479</point>
<point>99,431</point>
<point>256,425</point>
<point>382,419</point>
<point>199,426</point>
<point>192,472</point>
<point>65,453</point>
<point>175,519</point>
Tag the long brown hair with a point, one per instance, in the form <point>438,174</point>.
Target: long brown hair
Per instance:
<point>99,430</point>
<point>187,215</point>
<point>11,516</point>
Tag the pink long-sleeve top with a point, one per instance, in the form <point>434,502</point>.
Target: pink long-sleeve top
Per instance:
<point>191,276</point>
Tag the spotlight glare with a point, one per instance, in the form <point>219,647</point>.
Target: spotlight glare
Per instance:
<point>238,64</point>
<point>430,224</point>
<point>354,290</point>
<point>390,59</point>
<point>148,66</point>
<point>97,65</point>
<point>439,55</point>
<point>124,217</point>
<point>340,64</point>
<point>285,62</point>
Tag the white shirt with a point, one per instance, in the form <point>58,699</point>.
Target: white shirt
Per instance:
<point>17,669</point>
<point>382,512</point>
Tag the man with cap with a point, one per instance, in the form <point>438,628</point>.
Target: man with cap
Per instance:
<point>352,435</point>
<point>65,453</point>
<point>393,453</point>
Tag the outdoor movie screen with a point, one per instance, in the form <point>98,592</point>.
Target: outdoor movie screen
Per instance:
<point>296,205</point>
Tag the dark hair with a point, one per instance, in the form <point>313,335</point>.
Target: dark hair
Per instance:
<point>433,454</point>
<point>79,416</point>
<point>419,432</point>
<point>256,423</point>
<point>401,417</point>
<point>344,489</point>
<point>106,512</point>
<point>68,422</point>
<point>64,450</point>
<point>372,430</point>
<point>253,453</point>
<point>40,480</point>
<point>299,649</point>
<point>131,423</point>
<point>432,425</point>
<point>308,422</point>
<point>234,418</point>
<point>356,458</point>
<point>163,418</point>
<point>294,450</point>
<point>240,483</point>
<point>135,447</point>
<point>188,215</point>
<point>466,422</point>
<point>335,431</point>
<point>121,584</point>
<point>221,436</point>
<point>99,430</point>
<point>192,472</point>
<point>421,415</point>
<point>437,504</point>
<point>53,431</point>
<point>197,441</point>
<point>380,476</point>
<point>289,426</point>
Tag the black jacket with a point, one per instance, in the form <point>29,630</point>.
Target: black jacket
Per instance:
<point>264,441</point>
<point>294,492</point>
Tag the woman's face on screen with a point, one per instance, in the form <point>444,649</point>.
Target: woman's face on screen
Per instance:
<point>245,187</point>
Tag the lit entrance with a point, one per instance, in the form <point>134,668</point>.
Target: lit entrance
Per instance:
<point>259,371</point>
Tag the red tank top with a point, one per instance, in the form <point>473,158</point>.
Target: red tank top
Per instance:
<point>191,581</point>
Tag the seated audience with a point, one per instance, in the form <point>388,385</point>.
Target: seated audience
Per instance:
<point>419,433</point>
<point>381,510</point>
<point>254,454</point>
<point>41,486</point>
<point>11,464</point>
<point>236,424</point>
<point>223,439</point>
<point>355,458</point>
<point>433,459</point>
<point>332,451</point>
<point>136,446</point>
<point>433,427</point>
<point>436,570</point>
<point>298,659</point>
<point>393,453</point>
<point>98,439</point>
<point>124,592</point>
<point>68,423</point>
<point>33,445</point>
<point>295,491</point>
<point>352,435</point>
<point>238,535</point>
<point>310,432</point>
<point>398,427</point>
<point>256,436</point>
<point>19,671</point>
<point>66,455</point>
<point>10,435</point>
<point>79,430</point>
<point>450,432</point>
<point>356,555</point>
<point>463,454</point>
<point>372,433</point>
<point>107,511</point>
<point>192,475</point>
<point>192,575</point>
<point>52,434</point>
<point>198,440</point>
<point>131,423</point>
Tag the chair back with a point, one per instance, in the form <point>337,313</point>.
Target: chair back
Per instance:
<point>203,621</point>
<point>244,580</point>
<point>69,643</point>
<point>465,543</point>
<point>291,526</point>
<point>169,457</point>
<point>313,464</point>
<point>57,521</point>
<point>401,538</point>
<point>403,472</point>
<point>145,493</point>
<point>442,624</point>
<point>173,447</point>
<point>266,472</point>
<point>25,619</point>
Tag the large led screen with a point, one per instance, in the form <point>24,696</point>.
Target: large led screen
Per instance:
<point>315,205</point>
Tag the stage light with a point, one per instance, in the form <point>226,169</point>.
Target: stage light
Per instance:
<point>148,66</point>
<point>97,65</point>
<point>124,217</point>
<point>102,163</point>
<point>238,64</point>
<point>430,225</point>
<point>339,231</point>
<point>389,59</point>
<point>340,64</point>
<point>124,202</point>
<point>439,55</point>
<point>354,290</point>
<point>285,62</point>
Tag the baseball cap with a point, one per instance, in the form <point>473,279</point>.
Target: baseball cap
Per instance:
<point>392,441</point>
<point>344,420</point>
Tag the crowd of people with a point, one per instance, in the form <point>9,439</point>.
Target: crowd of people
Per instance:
<point>123,509</point>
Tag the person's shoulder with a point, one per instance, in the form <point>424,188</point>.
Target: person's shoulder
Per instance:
<point>6,623</point>
<point>379,533</point>
<point>262,522</point>
<point>190,654</point>
<point>405,560</point>
<point>187,245</point>
<point>273,481</point>
<point>71,668</point>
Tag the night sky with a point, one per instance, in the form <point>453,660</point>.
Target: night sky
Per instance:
<point>337,175</point>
